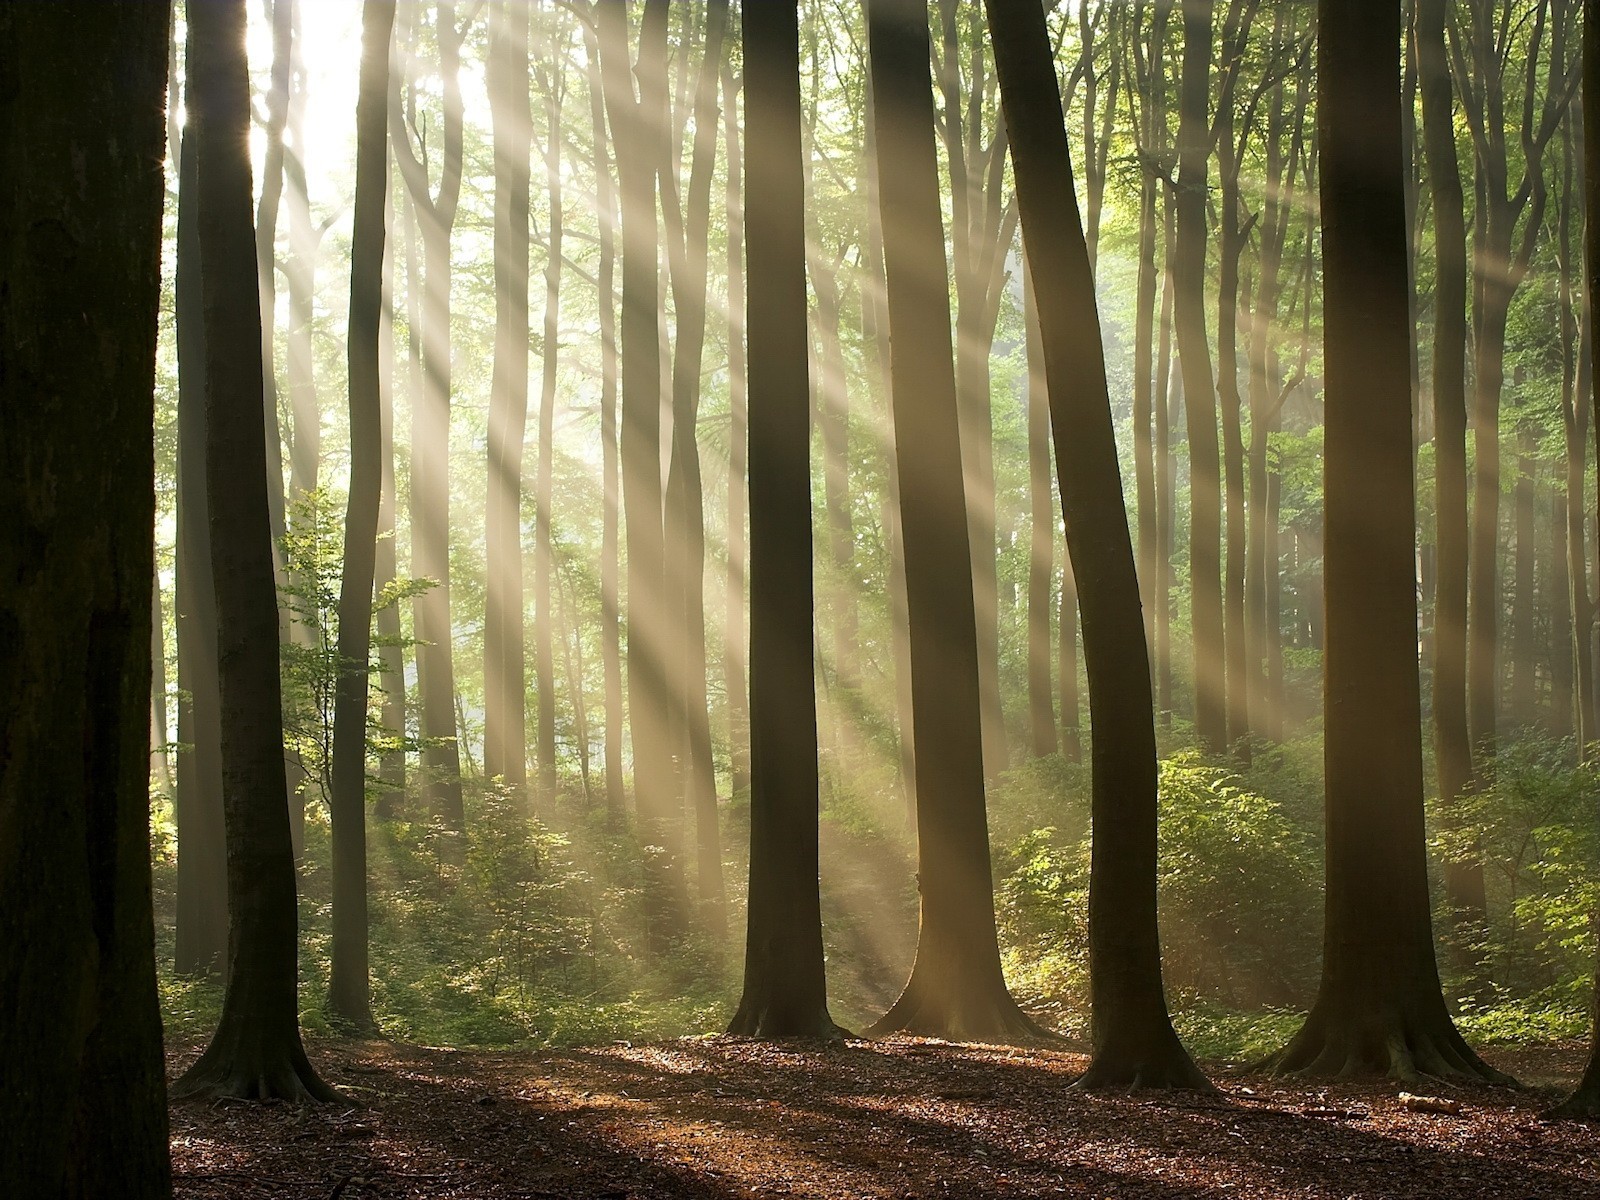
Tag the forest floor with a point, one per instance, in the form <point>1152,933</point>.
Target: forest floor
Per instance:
<point>888,1120</point>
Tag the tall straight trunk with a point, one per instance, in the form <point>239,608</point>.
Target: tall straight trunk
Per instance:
<point>201,937</point>
<point>1041,705</point>
<point>1585,1099</point>
<point>1134,1042</point>
<point>391,653</point>
<point>734,637</point>
<point>1452,743</point>
<point>282,17</point>
<point>430,428</point>
<point>785,992</point>
<point>81,132</point>
<point>1576,367</point>
<point>834,417</point>
<point>983,229</point>
<point>1559,589</point>
<point>553,79</point>
<point>1165,402</point>
<point>349,1000</point>
<point>1200,409</point>
<point>605,275</point>
<point>160,728</point>
<point>1379,1010</point>
<point>688,237</point>
<point>1522,685</point>
<point>637,155</point>
<point>1276,697</point>
<point>956,989</point>
<point>505,726</point>
<point>1067,664</point>
<point>256,1051</point>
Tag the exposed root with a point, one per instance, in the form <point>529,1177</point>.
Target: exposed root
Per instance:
<point>999,1021</point>
<point>1161,1065</point>
<point>255,1075</point>
<point>1324,1049</point>
<point>770,1024</point>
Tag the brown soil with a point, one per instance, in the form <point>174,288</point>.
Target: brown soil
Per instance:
<point>889,1120</point>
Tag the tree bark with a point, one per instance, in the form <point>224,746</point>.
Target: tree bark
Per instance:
<point>505,728</point>
<point>1379,1010</point>
<point>785,990</point>
<point>81,132</point>
<point>1041,704</point>
<point>256,1051</point>
<point>956,989</point>
<point>1134,1043</point>
<point>734,635</point>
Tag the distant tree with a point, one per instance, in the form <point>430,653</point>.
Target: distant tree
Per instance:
<point>505,749</point>
<point>1379,1009</point>
<point>256,1051</point>
<point>348,998</point>
<point>81,133</point>
<point>956,988</point>
<point>785,991</point>
<point>1134,1043</point>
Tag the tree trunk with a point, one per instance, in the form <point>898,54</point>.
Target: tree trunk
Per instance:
<point>734,636</point>
<point>256,1051</point>
<point>1134,1043</point>
<point>81,132</point>
<point>1559,589</point>
<point>505,727</point>
<point>956,989</point>
<point>430,432</point>
<point>1523,683</point>
<point>349,1002</point>
<point>610,632</point>
<point>201,936</point>
<point>785,992</point>
<point>1165,402</point>
<point>391,652</point>
<point>1200,410</point>
<point>1379,1009</point>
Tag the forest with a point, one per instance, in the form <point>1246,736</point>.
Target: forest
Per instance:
<point>626,598</point>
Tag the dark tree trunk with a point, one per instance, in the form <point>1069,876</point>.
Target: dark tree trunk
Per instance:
<point>1585,1100</point>
<point>553,79</point>
<point>430,430</point>
<point>734,637</point>
<point>1134,1043</point>
<point>256,1051</point>
<point>505,728</point>
<point>1463,881</point>
<point>637,156</point>
<point>349,1002</point>
<point>1200,409</point>
<point>605,275</point>
<point>201,937</point>
<point>956,989</point>
<point>785,992</point>
<point>81,132</point>
<point>1041,706</point>
<point>1379,1009</point>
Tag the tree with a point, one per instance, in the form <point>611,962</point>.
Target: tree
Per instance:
<point>348,999</point>
<point>1134,1043</point>
<point>255,1052</point>
<point>785,989</point>
<point>1378,1009</point>
<point>1188,288</point>
<point>81,129</point>
<point>430,420</point>
<point>505,750</point>
<point>956,989</point>
<point>1585,1099</point>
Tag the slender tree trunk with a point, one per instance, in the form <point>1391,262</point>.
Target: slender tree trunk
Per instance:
<point>1134,1043</point>
<point>1166,482</point>
<point>956,989</point>
<point>256,1051</point>
<point>785,993</point>
<point>348,989</point>
<point>505,745</point>
<point>1041,705</point>
<point>610,632</point>
<point>81,132</point>
<point>1559,589</point>
<point>553,79</point>
<point>391,653</point>
<point>1379,1009</point>
<point>1523,684</point>
<point>281,15</point>
<point>734,636</point>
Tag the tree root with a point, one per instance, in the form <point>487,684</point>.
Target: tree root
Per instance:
<point>1403,1053</point>
<point>999,1021</point>
<point>255,1073</point>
